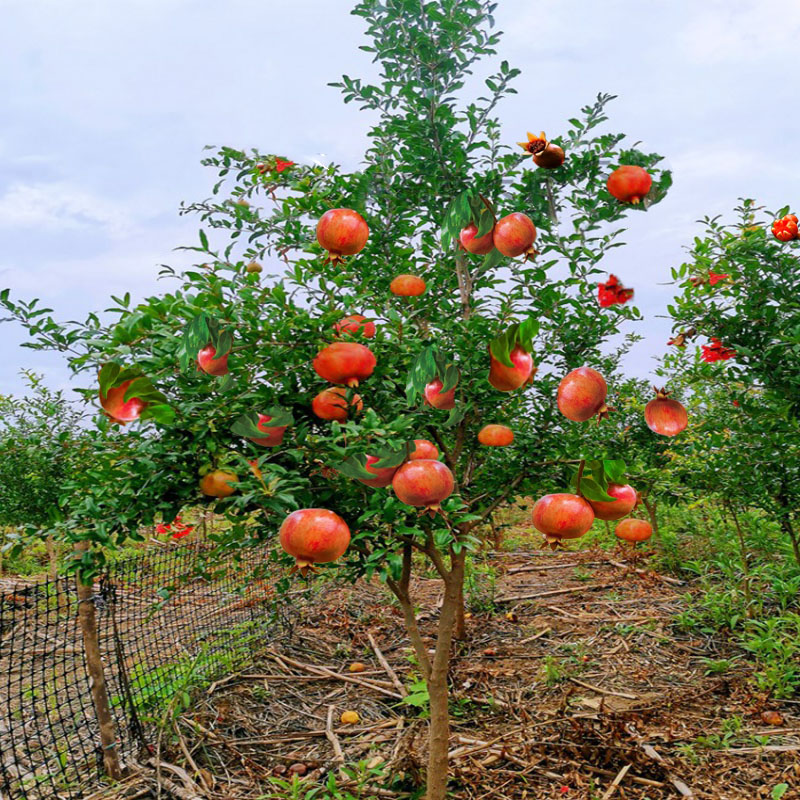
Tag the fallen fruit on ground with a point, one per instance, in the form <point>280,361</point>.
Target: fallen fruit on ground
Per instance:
<point>355,323</point>
<point>423,449</point>
<point>507,379</point>
<point>582,394</point>
<point>357,666</point>
<point>562,516</point>
<point>314,536</point>
<point>664,415</point>
<point>342,232</point>
<point>514,235</point>
<point>218,483</point>
<point>496,436</point>
<point>423,484</point>
<point>272,436</point>
<point>633,530</point>
<point>331,404</point>
<point>114,405</point>
<point>350,718</point>
<point>615,509</point>
<point>383,475</point>
<point>210,364</point>
<point>629,184</point>
<point>434,396</point>
<point>480,245</point>
<point>344,362</point>
<point>407,286</point>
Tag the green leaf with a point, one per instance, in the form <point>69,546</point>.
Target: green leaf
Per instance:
<point>614,469</point>
<point>355,467</point>
<point>247,424</point>
<point>592,490</point>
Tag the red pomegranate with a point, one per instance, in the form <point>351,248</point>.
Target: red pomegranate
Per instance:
<point>434,396</point>
<point>496,436</point>
<point>545,154</point>
<point>514,235</point>
<point>423,483</point>
<point>629,184</point>
<point>424,449</point>
<point>383,475</point>
<point>218,483</point>
<point>114,405</point>
<point>344,362</point>
<point>355,323</point>
<point>331,404</point>
<point>407,286</point>
<point>342,232</point>
<point>615,509</point>
<point>314,536</point>
<point>582,394</point>
<point>506,379</point>
<point>479,246</point>
<point>562,516</point>
<point>274,436</point>
<point>634,530</point>
<point>209,364</point>
<point>664,415</point>
<point>785,229</point>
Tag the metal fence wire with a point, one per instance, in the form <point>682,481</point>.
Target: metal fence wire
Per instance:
<point>175,614</point>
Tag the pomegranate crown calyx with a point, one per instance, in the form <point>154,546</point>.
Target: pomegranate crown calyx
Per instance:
<point>535,144</point>
<point>661,394</point>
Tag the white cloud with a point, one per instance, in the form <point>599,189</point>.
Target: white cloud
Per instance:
<point>60,207</point>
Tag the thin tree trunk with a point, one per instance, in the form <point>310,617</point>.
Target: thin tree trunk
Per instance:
<point>437,684</point>
<point>460,628</point>
<point>52,557</point>
<point>745,563</point>
<point>788,528</point>
<point>651,512</point>
<point>87,619</point>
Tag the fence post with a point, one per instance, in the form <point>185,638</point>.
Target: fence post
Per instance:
<point>87,619</point>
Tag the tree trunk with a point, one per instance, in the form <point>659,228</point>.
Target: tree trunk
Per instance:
<point>651,512</point>
<point>460,627</point>
<point>745,563</point>
<point>52,558</point>
<point>439,741</point>
<point>87,619</point>
<point>788,528</point>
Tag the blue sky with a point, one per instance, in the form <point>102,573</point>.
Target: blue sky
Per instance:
<point>105,108</point>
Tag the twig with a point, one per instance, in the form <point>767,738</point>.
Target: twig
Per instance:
<point>684,790</point>
<point>664,578</point>
<point>385,664</point>
<point>332,738</point>
<point>190,790</point>
<point>535,636</point>
<point>514,597</point>
<point>516,570</point>
<point>600,690</point>
<point>620,775</point>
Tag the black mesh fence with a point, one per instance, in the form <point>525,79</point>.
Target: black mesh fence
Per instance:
<point>167,621</point>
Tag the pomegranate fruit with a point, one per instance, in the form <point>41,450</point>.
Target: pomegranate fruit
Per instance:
<point>562,516</point>
<point>634,530</point>
<point>254,268</point>
<point>629,184</point>
<point>478,245</point>
<point>664,415</point>
<point>582,394</point>
<point>496,436</point>
<point>514,235</point>
<point>424,449</point>
<point>434,396</point>
<point>344,362</point>
<point>383,475</point>
<point>407,286</point>
<point>114,405</point>
<point>210,364</point>
<point>218,483</point>
<point>785,229</point>
<point>423,483</point>
<point>273,437</point>
<point>342,232</point>
<point>506,379</point>
<point>314,536</point>
<point>545,154</point>
<point>355,323</point>
<point>615,509</point>
<point>331,404</point>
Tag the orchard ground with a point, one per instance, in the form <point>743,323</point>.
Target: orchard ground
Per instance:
<point>581,666</point>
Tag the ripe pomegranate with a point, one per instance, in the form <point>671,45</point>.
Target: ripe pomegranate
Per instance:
<point>407,286</point>
<point>438,399</point>
<point>629,184</point>
<point>634,530</point>
<point>332,404</point>
<point>423,483</point>
<point>314,536</point>
<point>514,235</point>
<point>582,394</point>
<point>424,449</point>
<point>342,232</point>
<point>344,362</point>
<point>615,509</point>
<point>355,323</point>
<point>545,154</point>
<point>383,475</point>
<point>274,436</point>
<point>218,483</point>
<point>562,516</point>
<point>506,379</point>
<point>785,229</point>
<point>496,436</point>
<point>211,365</point>
<point>114,405</point>
<point>479,246</point>
<point>664,415</point>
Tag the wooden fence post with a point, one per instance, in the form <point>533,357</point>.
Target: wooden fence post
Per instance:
<point>87,619</point>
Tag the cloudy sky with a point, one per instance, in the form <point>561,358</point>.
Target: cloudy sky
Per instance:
<point>105,107</point>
